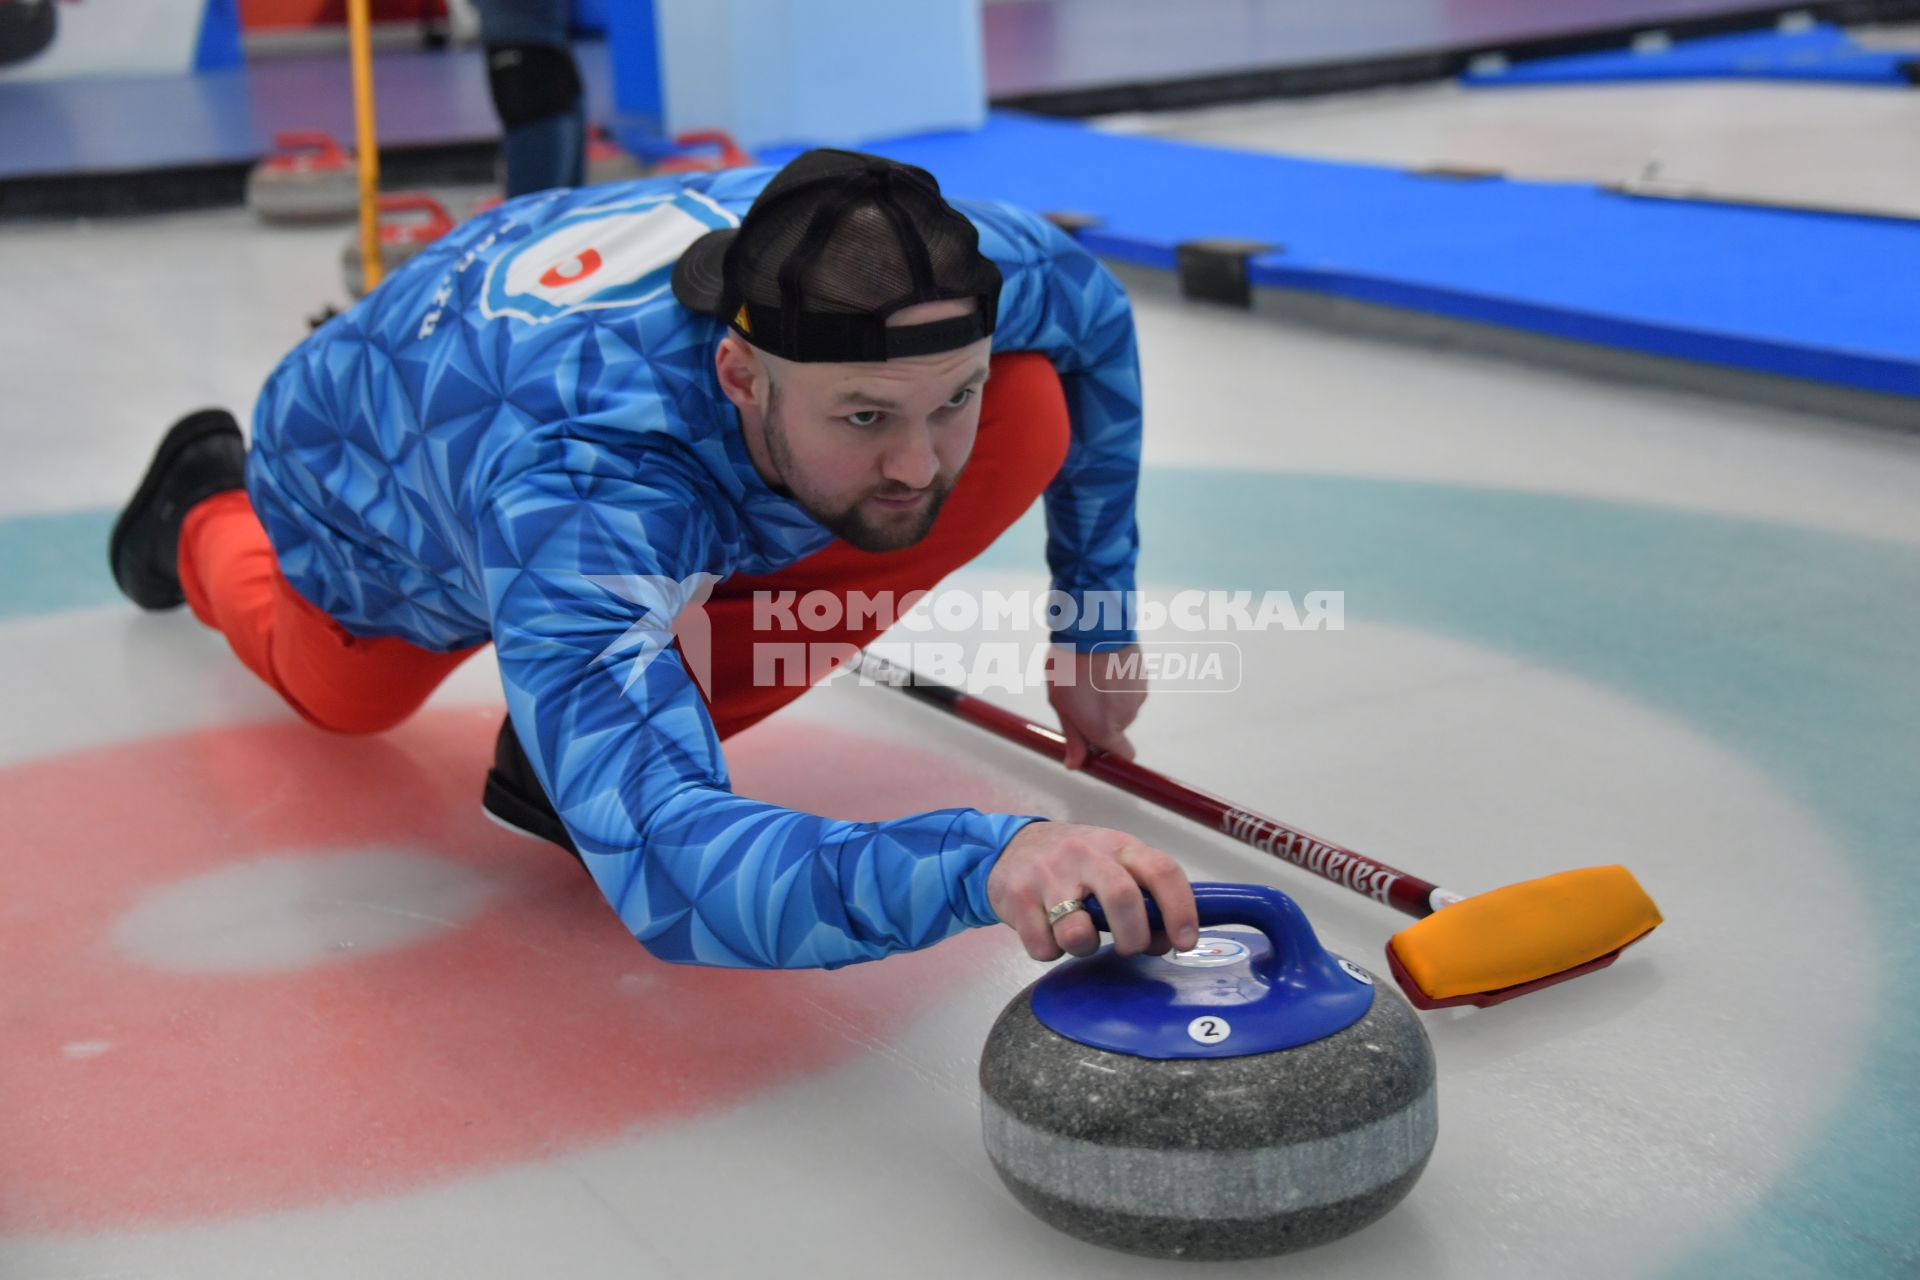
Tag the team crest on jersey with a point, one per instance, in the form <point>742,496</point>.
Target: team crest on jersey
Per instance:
<point>617,255</point>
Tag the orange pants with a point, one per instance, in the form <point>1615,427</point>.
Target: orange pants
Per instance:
<point>355,684</point>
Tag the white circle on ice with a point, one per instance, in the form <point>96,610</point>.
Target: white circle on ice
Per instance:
<point>1211,1029</point>
<point>293,911</point>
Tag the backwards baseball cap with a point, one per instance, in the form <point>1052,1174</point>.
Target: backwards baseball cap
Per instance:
<point>837,242</point>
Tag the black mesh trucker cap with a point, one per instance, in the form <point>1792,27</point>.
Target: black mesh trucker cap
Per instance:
<point>834,244</point>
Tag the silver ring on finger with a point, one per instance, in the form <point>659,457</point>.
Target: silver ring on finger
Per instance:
<point>1061,910</point>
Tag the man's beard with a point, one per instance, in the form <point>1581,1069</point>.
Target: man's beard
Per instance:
<point>850,522</point>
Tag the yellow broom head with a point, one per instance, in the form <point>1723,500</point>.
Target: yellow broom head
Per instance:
<point>1524,936</point>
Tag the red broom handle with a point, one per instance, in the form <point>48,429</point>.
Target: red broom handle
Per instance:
<point>1355,871</point>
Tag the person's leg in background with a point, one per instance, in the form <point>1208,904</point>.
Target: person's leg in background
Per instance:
<point>536,92</point>
<point>190,535</point>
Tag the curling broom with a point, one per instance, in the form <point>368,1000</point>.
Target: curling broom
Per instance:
<point>1479,950</point>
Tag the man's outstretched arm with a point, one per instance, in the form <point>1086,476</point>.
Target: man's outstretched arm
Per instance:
<point>587,563</point>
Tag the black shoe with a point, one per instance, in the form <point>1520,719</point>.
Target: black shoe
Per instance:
<point>26,28</point>
<point>514,797</point>
<point>202,455</point>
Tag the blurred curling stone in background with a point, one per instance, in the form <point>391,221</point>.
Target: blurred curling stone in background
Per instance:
<point>1252,1096</point>
<point>608,161</point>
<point>702,151</point>
<point>308,178</point>
<point>409,222</point>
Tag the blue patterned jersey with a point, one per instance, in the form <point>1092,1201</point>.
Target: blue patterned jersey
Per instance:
<point>520,437</point>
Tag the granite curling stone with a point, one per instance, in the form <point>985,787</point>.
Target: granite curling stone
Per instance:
<point>308,178</point>
<point>608,161</point>
<point>1250,1097</point>
<point>409,222</point>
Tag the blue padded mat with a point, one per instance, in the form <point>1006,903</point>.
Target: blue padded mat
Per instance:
<point>1819,53</point>
<point>1816,296</point>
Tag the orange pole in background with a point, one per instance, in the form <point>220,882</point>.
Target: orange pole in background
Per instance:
<point>366,144</point>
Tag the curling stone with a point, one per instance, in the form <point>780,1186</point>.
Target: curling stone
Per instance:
<point>704,151</point>
<point>1250,1097</point>
<point>308,178</point>
<point>408,224</point>
<point>608,161</point>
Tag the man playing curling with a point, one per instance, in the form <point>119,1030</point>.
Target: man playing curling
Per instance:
<point>576,416</point>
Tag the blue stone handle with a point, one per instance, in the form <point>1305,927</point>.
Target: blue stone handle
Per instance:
<point>1297,956</point>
